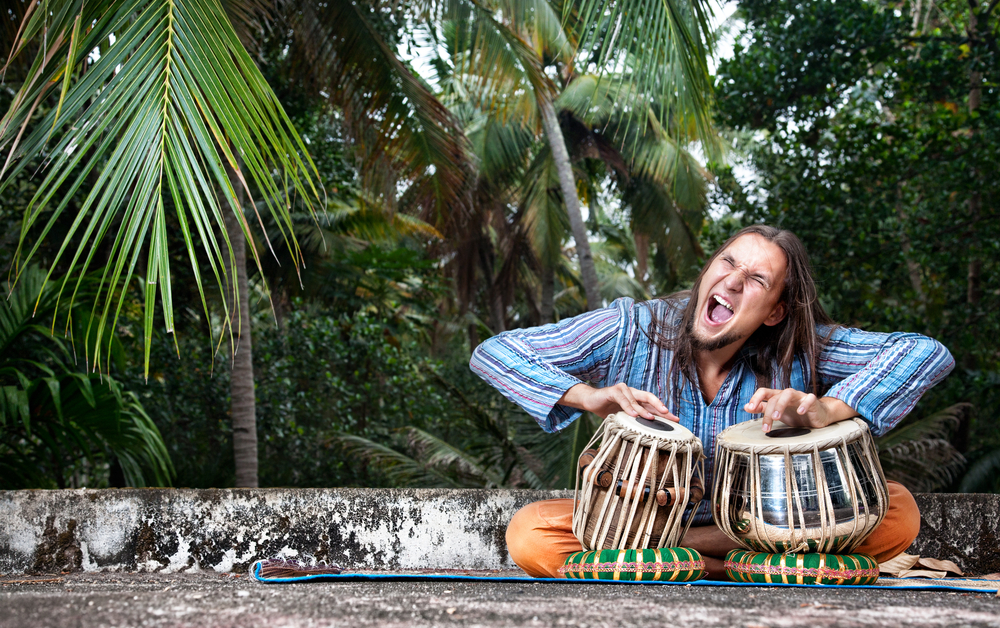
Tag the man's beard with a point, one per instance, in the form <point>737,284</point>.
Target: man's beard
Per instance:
<point>710,345</point>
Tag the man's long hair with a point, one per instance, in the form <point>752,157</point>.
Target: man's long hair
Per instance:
<point>776,346</point>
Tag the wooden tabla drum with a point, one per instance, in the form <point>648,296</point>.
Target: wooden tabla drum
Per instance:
<point>633,491</point>
<point>832,499</point>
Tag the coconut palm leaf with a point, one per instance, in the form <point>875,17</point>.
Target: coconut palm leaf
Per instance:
<point>438,454</point>
<point>498,53</point>
<point>662,45</point>
<point>545,216</point>
<point>400,130</point>
<point>250,18</point>
<point>939,425</point>
<point>982,474</point>
<point>920,454</point>
<point>150,127</point>
<point>399,468</point>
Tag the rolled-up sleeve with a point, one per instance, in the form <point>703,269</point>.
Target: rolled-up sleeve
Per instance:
<point>535,367</point>
<point>882,376</point>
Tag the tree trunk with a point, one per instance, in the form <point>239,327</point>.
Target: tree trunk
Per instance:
<point>916,17</point>
<point>588,274</point>
<point>641,257</point>
<point>497,311</point>
<point>974,286</point>
<point>915,272</point>
<point>547,307</point>
<point>241,385</point>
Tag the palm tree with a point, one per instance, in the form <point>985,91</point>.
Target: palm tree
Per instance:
<point>182,107</point>
<point>171,102</point>
<point>154,104</point>
<point>663,44</point>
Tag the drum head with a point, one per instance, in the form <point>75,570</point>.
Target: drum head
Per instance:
<point>750,433</point>
<point>659,428</point>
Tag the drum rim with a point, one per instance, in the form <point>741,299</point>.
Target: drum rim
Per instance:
<point>679,433</point>
<point>851,430</point>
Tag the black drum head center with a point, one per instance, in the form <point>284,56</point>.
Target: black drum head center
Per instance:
<point>654,425</point>
<point>788,432</point>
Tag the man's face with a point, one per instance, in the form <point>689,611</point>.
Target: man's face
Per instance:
<point>740,291</point>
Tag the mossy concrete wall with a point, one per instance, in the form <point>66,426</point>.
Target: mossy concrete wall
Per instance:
<point>226,530</point>
<point>964,528</point>
<point>169,530</point>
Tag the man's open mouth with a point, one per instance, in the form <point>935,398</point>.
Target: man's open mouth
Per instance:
<point>719,310</point>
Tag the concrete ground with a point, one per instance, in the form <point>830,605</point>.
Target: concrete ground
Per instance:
<point>214,599</point>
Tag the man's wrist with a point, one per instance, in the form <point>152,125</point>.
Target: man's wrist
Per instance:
<point>575,396</point>
<point>835,410</point>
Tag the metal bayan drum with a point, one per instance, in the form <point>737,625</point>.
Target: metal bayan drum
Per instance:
<point>831,501</point>
<point>641,480</point>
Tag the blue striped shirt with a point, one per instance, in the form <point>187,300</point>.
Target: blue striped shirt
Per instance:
<point>880,375</point>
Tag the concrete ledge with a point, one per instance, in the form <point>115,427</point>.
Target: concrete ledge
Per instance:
<point>962,527</point>
<point>173,530</point>
<point>168,530</point>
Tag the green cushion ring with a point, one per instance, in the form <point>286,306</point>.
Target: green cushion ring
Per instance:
<point>676,564</point>
<point>760,567</point>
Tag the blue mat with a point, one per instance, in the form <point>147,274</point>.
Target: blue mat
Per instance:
<point>908,584</point>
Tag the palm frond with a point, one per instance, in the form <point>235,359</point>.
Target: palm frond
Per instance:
<point>400,469</point>
<point>51,415</point>
<point>920,455</point>
<point>939,425</point>
<point>401,131</point>
<point>663,45</point>
<point>448,459</point>
<point>250,18</point>
<point>545,218</point>
<point>499,51</point>
<point>172,104</point>
<point>663,161</point>
<point>982,475</point>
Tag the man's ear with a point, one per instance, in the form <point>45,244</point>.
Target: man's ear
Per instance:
<point>777,314</point>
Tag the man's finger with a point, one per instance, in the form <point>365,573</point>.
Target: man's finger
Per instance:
<point>659,414</point>
<point>670,416</point>
<point>806,404</point>
<point>629,404</point>
<point>640,399</point>
<point>758,398</point>
<point>781,402</point>
<point>769,410</point>
<point>650,400</point>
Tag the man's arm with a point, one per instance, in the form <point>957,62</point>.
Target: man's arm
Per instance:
<point>620,397</point>
<point>879,377</point>
<point>536,367</point>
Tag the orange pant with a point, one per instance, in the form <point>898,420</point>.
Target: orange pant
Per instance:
<point>540,535</point>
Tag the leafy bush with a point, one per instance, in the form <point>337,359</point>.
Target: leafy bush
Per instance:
<point>59,425</point>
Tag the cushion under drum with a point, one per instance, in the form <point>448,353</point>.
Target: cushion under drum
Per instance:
<point>676,564</point>
<point>816,568</point>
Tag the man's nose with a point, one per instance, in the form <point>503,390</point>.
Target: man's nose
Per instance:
<point>734,280</point>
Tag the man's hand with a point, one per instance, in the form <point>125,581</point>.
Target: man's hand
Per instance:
<point>796,408</point>
<point>605,401</point>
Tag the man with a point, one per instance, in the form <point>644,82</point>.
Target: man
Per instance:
<point>749,338</point>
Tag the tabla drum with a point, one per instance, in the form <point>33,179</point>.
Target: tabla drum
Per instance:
<point>632,492</point>
<point>798,490</point>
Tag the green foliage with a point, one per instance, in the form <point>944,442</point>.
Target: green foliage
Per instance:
<point>877,146</point>
<point>161,136</point>
<point>327,374</point>
<point>920,454</point>
<point>59,425</point>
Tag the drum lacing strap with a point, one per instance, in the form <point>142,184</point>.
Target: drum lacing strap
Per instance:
<point>581,514</point>
<point>873,470</point>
